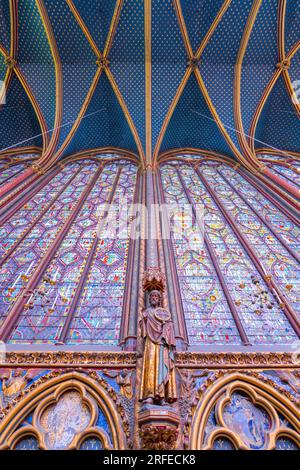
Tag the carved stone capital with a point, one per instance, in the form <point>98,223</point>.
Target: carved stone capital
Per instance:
<point>158,437</point>
<point>158,428</point>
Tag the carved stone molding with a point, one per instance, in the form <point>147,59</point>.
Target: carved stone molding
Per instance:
<point>234,360</point>
<point>70,359</point>
<point>121,359</point>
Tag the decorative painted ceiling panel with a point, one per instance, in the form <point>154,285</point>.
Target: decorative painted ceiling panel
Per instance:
<point>260,60</point>
<point>103,123</point>
<point>4,24</point>
<point>127,62</point>
<point>64,45</point>
<point>279,124</point>
<point>19,126</point>
<point>169,61</point>
<point>292,23</point>
<point>218,60</point>
<point>192,124</point>
<point>198,16</point>
<point>35,59</point>
<point>97,16</point>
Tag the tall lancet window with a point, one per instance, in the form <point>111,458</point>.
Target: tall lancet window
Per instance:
<point>10,172</point>
<point>63,265</point>
<point>287,167</point>
<point>242,283</point>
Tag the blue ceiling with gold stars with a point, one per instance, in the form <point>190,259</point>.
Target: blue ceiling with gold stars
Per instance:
<point>150,76</point>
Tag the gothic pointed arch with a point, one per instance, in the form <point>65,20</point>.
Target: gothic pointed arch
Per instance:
<point>244,411</point>
<point>64,411</point>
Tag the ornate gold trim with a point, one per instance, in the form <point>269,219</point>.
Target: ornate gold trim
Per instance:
<point>281,28</point>
<point>70,359</point>
<point>117,359</point>
<point>53,399</point>
<point>236,360</point>
<point>13,12</point>
<point>113,27</point>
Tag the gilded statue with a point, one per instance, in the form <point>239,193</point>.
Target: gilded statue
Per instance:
<point>158,383</point>
<point>13,382</point>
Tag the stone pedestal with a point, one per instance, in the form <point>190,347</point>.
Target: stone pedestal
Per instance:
<point>158,427</point>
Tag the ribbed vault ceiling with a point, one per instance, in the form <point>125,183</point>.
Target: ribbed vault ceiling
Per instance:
<point>148,77</point>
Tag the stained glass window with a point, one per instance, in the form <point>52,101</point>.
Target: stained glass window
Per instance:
<point>91,443</point>
<point>63,265</point>
<point>286,443</point>
<point>27,235</point>
<point>287,168</point>
<point>246,240</point>
<point>27,443</point>
<point>223,443</point>
<point>98,314</point>
<point>79,298</point>
<point>207,313</point>
<point>8,173</point>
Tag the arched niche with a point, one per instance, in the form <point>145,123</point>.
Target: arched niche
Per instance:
<point>71,411</point>
<point>241,413</point>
